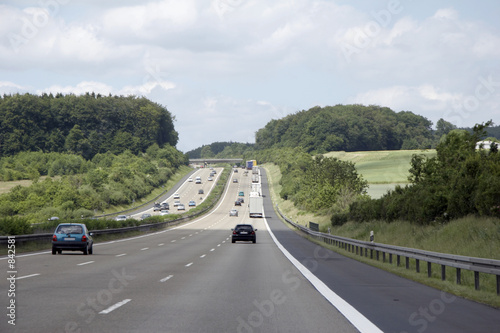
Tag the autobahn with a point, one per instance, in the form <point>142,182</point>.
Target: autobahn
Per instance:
<point>192,279</point>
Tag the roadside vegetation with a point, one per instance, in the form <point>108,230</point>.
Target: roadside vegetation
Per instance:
<point>468,236</point>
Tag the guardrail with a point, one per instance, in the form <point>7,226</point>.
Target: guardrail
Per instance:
<point>144,227</point>
<point>369,249</point>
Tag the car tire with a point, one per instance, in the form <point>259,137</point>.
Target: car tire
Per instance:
<point>86,250</point>
<point>59,251</point>
<point>233,241</point>
<point>91,250</point>
<point>54,251</point>
<point>254,241</point>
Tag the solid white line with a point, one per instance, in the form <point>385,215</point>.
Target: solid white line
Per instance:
<point>348,311</point>
<point>121,255</point>
<point>85,263</point>
<point>166,278</point>
<point>189,264</point>
<point>27,276</point>
<point>114,307</point>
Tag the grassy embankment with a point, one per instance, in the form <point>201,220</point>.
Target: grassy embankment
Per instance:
<point>476,237</point>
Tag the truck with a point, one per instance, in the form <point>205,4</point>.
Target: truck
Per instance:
<point>255,170</point>
<point>256,205</point>
<point>251,164</point>
<point>256,187</point>
<point>255,179</point>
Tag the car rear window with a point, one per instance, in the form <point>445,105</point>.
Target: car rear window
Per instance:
<point>244,228</point>
<point>69,229</point>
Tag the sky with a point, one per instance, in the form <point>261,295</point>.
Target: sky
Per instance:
<point>225,68</point>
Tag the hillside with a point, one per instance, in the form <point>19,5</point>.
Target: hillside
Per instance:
<point>350,128</point>
<point>85,125</point>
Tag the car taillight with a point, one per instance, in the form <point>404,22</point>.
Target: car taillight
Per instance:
<point>54,238</point>
<point>253,232</point>
<point>84,238</point>
<point>235,233</point>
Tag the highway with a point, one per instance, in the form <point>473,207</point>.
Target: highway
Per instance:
<point>187,190</point>
<point>192,279</point>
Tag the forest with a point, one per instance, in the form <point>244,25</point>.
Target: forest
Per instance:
<point>83,154</point>
<point>84,125</point>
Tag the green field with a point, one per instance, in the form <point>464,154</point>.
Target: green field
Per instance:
<point>382,169</point>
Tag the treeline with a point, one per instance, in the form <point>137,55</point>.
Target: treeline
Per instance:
<point>84,125</point>
<point>222,150</point>
<point>459,181</point>
<point>78,187</point>
<point>317,184</point>
<point>351,128</point>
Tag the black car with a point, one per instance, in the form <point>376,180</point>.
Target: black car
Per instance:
<point>72,237</point>
<point>164,205</point>
<point>237,203</point>
<point>156,207</point>
<point>244,232</point>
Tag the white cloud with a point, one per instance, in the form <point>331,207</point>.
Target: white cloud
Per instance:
<point>225,68</point>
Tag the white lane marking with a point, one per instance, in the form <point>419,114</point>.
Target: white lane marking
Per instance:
<point>166,278</point>
<point>218,244</point>
<point>145,248</point>
<point>85,263</point>
<point>114,307</point>
<point>161,244</point>
<point>173,241</point>
<point>183,238</point>
<point>121,255</point>
<point>27,276</point>
<point>348,311</point>
<point>190,235</point>
<point>203,256</point>
<point>212,250</point>
<point>189,264</point>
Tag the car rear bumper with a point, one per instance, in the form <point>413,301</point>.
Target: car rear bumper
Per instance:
<point>243,237</point>
<point>70,245</point>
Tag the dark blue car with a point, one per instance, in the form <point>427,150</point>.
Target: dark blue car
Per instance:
<point>72,237</point>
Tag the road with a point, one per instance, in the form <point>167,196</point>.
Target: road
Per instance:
<point>192,279</point>
<point>187,189</point>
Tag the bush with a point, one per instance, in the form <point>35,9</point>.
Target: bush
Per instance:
<point>15,225</point>
<point>339,219</point>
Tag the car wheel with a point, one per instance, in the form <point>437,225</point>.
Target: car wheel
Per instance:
<point>86,250</point>
<point>254,241</point>
<point>54,251</point>
<point>233,241</point>
<point>91,250</point>
<point>59,251</point>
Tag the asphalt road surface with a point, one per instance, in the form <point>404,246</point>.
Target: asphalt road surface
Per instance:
<point>192,279</point>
